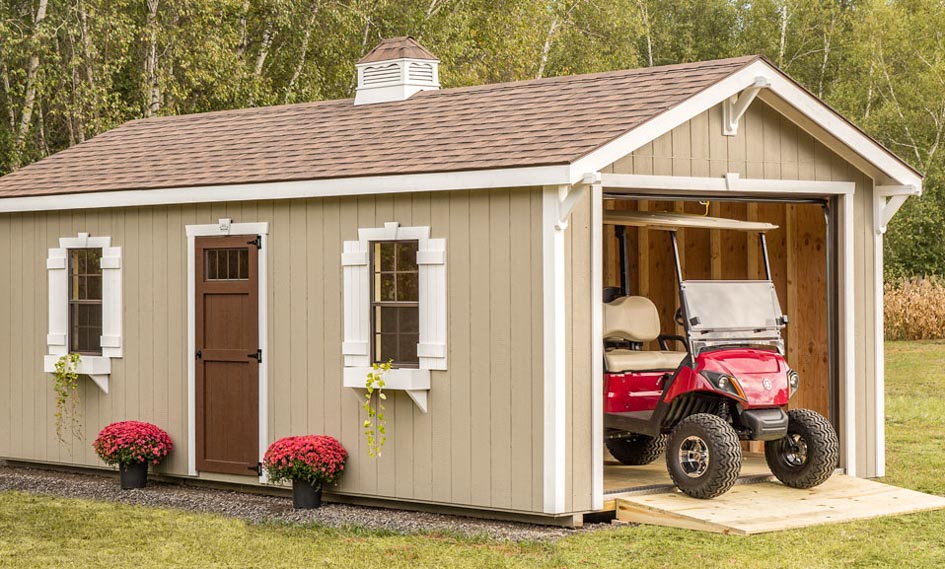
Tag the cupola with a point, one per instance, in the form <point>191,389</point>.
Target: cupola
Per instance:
<point>394,70</point>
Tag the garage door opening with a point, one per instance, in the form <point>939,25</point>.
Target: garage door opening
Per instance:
<point>639,261</point>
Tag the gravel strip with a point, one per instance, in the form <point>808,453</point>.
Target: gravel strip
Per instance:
<point>260,509</point>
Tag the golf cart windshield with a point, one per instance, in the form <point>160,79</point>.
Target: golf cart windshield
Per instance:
<point>732,312</point>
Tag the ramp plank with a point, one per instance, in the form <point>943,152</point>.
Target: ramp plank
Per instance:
<point>771,506</point>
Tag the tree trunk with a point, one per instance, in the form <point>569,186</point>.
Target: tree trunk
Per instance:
<point>11,113</point>
<point>153,103</point>
<point>645,14</point>
<point>782,42</point>
<point>29,96</point>
<point>89,67</point>
<point>546,49</point>
<point>301,62</point>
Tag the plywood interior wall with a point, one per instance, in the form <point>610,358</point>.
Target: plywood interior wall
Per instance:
<point>797,255</point>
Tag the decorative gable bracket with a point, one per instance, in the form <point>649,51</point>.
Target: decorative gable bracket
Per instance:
<point>568,197</point>
<point>735,106</point>
<point>886,202</point>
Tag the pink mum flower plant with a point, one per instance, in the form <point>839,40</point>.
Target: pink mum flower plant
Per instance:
<point>130,442</point>
<point>316,459</point>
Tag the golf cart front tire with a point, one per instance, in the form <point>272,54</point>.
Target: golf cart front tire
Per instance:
<point>703,456</point>
<point>633,449</point>
<point>815,462</point>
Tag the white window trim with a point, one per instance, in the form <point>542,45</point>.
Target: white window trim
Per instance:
<point>356,347</point>
<point>98,368</point>
<point>221,229</point>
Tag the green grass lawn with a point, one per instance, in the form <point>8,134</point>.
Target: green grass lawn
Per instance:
<point>47,532</point>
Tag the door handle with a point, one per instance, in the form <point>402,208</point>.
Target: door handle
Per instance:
<point>257,356</point>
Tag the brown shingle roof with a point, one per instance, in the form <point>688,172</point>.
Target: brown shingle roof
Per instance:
<point>527,123</point>
<point>397,48</point>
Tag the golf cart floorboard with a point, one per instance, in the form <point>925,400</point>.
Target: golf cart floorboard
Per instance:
<point>768,506</point>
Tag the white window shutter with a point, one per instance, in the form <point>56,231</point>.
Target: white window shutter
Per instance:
<point>357,304</point>
<point>57,334</point>
<point>431,258</point>
<point>111,302</point>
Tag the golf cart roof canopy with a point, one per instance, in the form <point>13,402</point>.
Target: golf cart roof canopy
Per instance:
<point>667,221</point>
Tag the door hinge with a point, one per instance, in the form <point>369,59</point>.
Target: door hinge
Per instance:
<point>257,242</point>
<point>257,468</point>
<point>257,356</point>
<point>198,355</point>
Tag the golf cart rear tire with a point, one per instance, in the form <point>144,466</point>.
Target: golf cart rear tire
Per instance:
<point>635,449</point>
<point>724,456</point>
<point>823,451</point>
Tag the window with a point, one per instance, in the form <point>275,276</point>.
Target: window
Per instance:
<point>85,301</point>
<point>394,285</point>
<point>395,303</point>
<point>84,288</point>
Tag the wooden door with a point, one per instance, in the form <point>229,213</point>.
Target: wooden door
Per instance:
<point>227,354</point>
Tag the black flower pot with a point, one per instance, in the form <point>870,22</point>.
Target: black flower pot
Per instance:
<point>306,495</point>
<point>133,475</point>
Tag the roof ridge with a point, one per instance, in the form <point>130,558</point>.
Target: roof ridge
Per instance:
<point>521,83</point>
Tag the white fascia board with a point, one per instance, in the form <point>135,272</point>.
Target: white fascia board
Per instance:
<point>780,85</point>
<point>461,180</point>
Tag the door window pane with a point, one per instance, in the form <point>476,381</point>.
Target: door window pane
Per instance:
<point>226,264</point>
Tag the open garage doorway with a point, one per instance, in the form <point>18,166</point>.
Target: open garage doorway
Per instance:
<point>638,261</point>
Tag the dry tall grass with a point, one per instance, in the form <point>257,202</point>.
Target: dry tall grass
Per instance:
<point>915,309</point>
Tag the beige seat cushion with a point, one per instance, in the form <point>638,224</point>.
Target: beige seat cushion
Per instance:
<point>634,360</point>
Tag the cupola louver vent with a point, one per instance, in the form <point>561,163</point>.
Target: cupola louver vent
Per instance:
<point>394,70</point>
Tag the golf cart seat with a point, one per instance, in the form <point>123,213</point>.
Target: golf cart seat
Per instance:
<point>635,319</point>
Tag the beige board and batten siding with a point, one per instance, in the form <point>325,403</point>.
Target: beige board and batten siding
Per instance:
<point>480,443</point>
<point>770,146</point>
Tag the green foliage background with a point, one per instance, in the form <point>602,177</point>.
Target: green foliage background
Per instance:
<point>70,69</point>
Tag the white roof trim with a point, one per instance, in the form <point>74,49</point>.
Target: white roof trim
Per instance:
<point>462,180</point>
<point>804,102</point>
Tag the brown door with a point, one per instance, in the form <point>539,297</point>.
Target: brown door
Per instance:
<point>227,344</point>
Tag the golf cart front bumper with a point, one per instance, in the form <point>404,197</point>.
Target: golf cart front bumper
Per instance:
<point>764,424</point>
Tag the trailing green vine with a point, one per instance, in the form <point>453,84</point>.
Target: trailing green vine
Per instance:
<point>375,426</point>
<point>65,385</point>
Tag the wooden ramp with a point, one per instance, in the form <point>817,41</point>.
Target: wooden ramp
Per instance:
<point>770,506</point>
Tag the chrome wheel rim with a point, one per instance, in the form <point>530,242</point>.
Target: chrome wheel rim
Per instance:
<point>694,456</point>
<point>794,450</point>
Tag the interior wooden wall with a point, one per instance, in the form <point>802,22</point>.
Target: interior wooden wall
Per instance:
<point>797,254</point>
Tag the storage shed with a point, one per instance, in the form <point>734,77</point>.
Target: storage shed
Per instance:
<point>231,276</point>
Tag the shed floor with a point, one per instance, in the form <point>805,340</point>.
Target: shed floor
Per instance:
<point>770,506</point>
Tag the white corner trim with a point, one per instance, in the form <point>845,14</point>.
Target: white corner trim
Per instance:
<point>223,228</point>
<point>554,350</point>
<point>848,334</point>
<point>879,356</point>
<point>597,347</point>
<point>432,347</point>
<point>57,335</point>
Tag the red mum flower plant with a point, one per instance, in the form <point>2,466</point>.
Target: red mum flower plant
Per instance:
<point>131,442</point>
<point>316,459</point>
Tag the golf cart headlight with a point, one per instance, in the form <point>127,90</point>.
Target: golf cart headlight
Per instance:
<point>724,382</point>
<point>794,380</point>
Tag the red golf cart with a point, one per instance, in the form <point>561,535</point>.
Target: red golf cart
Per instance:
<point>729,382</point>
